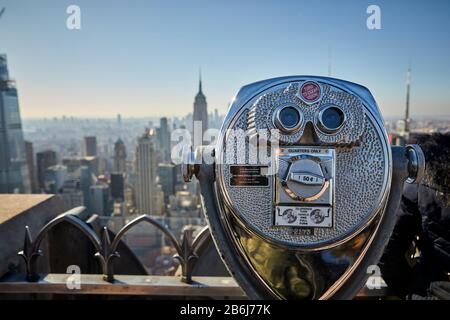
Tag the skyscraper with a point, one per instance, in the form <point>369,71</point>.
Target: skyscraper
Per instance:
<point>44,160</point>
<point>31,167</point>
<point>164,139</point>
<point>216,119</point>
<point>4,74</point>
<point>119,120</point>
<point>117,187</point>
<point>73,164</point>
<point>168,179</point>
<point>120,157</point>
<point>86,181</point>
<point>146,165</point>
<point>100,199</point>
<point>90,147</point>
<point>200,114</point>
<point>13,163</point>
<point>408,88</point>
<point>54,178</point>
<point>71,194</point>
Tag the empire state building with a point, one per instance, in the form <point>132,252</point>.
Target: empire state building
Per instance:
<point>200,117</point>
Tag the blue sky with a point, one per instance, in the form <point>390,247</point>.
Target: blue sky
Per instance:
<point>141,58</point>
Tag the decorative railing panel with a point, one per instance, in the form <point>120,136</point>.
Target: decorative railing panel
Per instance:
<point>107,250</point>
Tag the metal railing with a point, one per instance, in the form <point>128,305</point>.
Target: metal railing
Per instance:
<point>106,250</point>
<point>123,285</point>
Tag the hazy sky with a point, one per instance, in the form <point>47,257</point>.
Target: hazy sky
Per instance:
<point>141,58</point>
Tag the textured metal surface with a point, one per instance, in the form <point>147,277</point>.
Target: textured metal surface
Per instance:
<point>360,181</point>
<point>310,263</point>
<point>267,271</point>
<point>261,113</point>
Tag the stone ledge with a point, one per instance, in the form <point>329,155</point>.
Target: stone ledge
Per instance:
<point>12,205</point>
<point>18,211</point>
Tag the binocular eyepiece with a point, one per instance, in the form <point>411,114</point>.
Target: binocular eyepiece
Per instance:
<point>302,194</point>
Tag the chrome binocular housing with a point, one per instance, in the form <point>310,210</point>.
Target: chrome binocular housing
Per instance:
<point>302,194</point>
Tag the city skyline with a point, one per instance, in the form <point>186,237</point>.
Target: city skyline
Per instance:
<point>144,62</point>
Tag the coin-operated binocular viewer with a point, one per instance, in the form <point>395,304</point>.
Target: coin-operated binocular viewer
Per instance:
<point>303,187</point>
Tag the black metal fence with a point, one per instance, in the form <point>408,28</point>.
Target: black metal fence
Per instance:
<point>107,250</point>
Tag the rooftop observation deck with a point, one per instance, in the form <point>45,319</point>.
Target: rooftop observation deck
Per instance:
<point>78,239</point>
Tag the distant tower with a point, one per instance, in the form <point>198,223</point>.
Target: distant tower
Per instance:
<point>119,126</point>
<point>200,109</point>
<point>120,157</point>
<point>31,167</point>
<point>216,117</point>
<point>4,74</point>
<point>408,87</point>
<point>44,160</point>
<point>117,185</point>
<point>100,199</point>
<point>164,139</point>
<point>146,165</point>
<point>54,178</point>
<point>168,179</point>
<point>90,147</point>
<point>14,175</point>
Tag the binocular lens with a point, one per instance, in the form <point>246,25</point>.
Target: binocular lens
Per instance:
<point>288,119</point>
<point>331,119</point>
